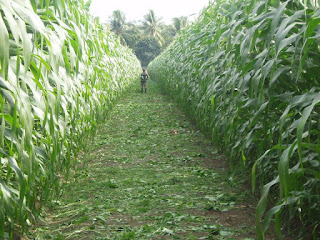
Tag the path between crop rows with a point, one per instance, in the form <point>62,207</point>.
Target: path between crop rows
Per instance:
<point>149,175</point>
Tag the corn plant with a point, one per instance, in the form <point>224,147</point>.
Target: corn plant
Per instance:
<point>248,72</point>
<point>60,71</point>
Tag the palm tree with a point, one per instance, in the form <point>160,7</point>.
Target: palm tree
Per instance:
<point>117,22</point>
<point>152,26</point>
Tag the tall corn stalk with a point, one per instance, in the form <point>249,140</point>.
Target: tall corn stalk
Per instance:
<point>60,71</point>
<point>248,71</point>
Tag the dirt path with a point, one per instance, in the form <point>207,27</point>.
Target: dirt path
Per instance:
<point>149,175</point>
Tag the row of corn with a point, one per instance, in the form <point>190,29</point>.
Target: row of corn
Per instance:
<point>60,71</point>
<point>248,72</point>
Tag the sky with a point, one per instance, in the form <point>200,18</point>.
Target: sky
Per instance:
<point>135,9</point>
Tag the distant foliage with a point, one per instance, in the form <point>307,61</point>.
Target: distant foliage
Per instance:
<point>146,50</point>
<point>59,74</point>
<point>248,71</point>
<point>151,26</point>
<point>132,35</point>
<point>180,23</point>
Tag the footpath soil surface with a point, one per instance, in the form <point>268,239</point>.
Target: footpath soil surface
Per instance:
<point>149,174</point>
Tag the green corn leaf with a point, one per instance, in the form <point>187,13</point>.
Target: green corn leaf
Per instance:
<point>275,210</point>
<point>257,115</point>
<point>4,48</point>
<point>3,84</point>
<point>277,73</point>
<point>27,45</point>
<point>308,40</point>
<point>8,11</point>
<point>276,19</point>
<point>302,122</point>
<point>27,14</point>
<point>253,177</point>
<point>3,126</point>
<point>284,169</point>
<point>261,207</point>
<point>287,41</point>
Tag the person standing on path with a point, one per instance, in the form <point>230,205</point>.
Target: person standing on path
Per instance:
<point>143,77</point>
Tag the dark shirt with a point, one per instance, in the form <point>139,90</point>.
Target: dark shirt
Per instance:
<point>144,76</point>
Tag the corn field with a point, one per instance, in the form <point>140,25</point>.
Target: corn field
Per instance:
<point>248,72</point>
<point>60,72</point>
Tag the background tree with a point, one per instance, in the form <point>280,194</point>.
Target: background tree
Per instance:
<point>168,33</point>
<point>180,23</point>
<point>132,34</point>
<point>152,26</point>
<point>117,23</point>
<point>147,49</point>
